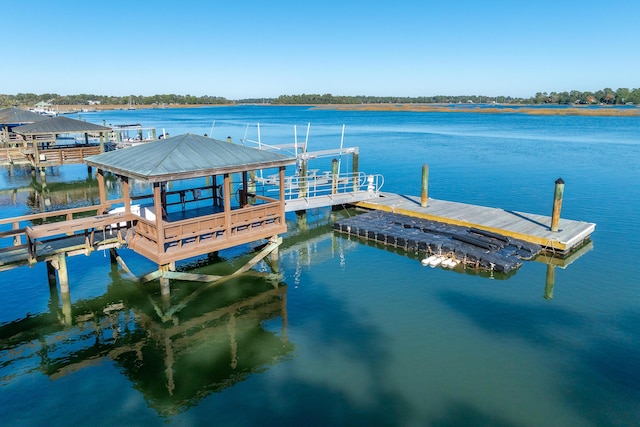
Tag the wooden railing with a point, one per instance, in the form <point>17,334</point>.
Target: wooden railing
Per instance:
<point>195,236</point>
<point>67,155</point>
<point>15,228</point>
<point>86,225</point>
<point>11,155</point>
<point>182,238</point>
<point>58,156</point>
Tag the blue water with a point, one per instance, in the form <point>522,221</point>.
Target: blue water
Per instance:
<point>360,335</point>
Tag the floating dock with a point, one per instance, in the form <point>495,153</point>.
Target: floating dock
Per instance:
<point>440,243</point>
<point>532,228</point>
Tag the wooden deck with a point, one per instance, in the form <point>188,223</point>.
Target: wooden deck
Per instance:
<point>520,225</point>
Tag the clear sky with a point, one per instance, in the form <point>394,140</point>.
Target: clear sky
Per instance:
<point>265,48</point>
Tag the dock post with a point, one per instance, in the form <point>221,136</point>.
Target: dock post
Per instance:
<point>66,308</point>
<point>356,183</point>
<point>165,289</point>
<point>303,178</point>
<point>334,176</point>
<point>301,217</point>
<point>274,256</point>
<point>113,256</point>
<point>557,204</point>
<point>550,281</point>
<point>51,275</point>
<point>63,276</point>
<point>252,186</point>
<point>425,186</point>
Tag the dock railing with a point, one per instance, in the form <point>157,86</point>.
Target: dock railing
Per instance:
<point>15,228</point>
<point>316,184</point>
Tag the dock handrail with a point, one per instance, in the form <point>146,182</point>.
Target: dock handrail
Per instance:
<point>316,184</point>
<point>19,224</point>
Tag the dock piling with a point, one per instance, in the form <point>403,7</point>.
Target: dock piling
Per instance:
<point>550,281</point>
<point>63,276</point>
<point>334,176</point>
<point>557,204</point>
<point>51,275</point>
<point>425,185</point>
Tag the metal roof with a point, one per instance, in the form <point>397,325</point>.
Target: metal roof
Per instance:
<point>17,116</point>
<point>59,125</point>
<point>186,156</point>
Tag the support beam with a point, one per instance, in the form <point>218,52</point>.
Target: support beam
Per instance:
<point>226,197</point>
<point>101,188</point>
<point>63,276</point>
<point>51,275</point>
<point>273,245</point>
<point>126,193</point>
<point>117,258</point>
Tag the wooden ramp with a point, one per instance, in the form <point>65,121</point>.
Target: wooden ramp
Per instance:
<point>520,225</point>
<point>347,198</point>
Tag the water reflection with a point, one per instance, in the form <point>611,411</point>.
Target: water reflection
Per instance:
<point>228,333</point>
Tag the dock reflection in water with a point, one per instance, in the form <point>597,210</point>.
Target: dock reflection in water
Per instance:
<point>217,340</point>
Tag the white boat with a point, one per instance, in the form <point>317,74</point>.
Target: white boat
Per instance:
<point>448,263</point>
<point>427,261</point>
<point>436,261</point>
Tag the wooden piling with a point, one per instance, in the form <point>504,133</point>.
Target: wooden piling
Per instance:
<point>425,186</point>
<point>274,256</point>
<point>557,204</point>
<point>67,318</point>
<point>63,275</point>
<point>51,275</point>
<point>303,178</point>
<point>334,176</point>
<point>550,281</point>
<point>301,217</point>
<point>355,167</point>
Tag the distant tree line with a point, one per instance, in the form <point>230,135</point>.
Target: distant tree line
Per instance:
<point>607,96</point>
<point>28,99</point>
<point>621,96</point>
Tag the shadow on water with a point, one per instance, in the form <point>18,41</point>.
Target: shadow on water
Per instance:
<point>603,381</point>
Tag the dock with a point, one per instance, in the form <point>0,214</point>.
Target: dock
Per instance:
<point>532,228</point>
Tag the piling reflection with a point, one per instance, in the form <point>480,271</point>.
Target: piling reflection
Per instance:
<point>214,342</point>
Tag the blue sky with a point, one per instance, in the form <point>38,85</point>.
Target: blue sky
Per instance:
<point>245,48</point>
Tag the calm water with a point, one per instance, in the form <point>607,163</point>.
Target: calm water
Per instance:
<point>355,334</point>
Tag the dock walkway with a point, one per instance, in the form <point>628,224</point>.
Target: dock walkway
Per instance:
<point>529,227</point>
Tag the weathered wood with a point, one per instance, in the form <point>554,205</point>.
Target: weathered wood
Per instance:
<point>424,195</point>
<point>557,204</point>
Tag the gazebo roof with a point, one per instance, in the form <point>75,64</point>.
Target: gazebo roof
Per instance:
<point>59,125</point>
<point>186,156</point>
<point>17,116</point>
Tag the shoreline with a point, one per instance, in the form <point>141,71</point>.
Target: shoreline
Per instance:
<point>572,110</point>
